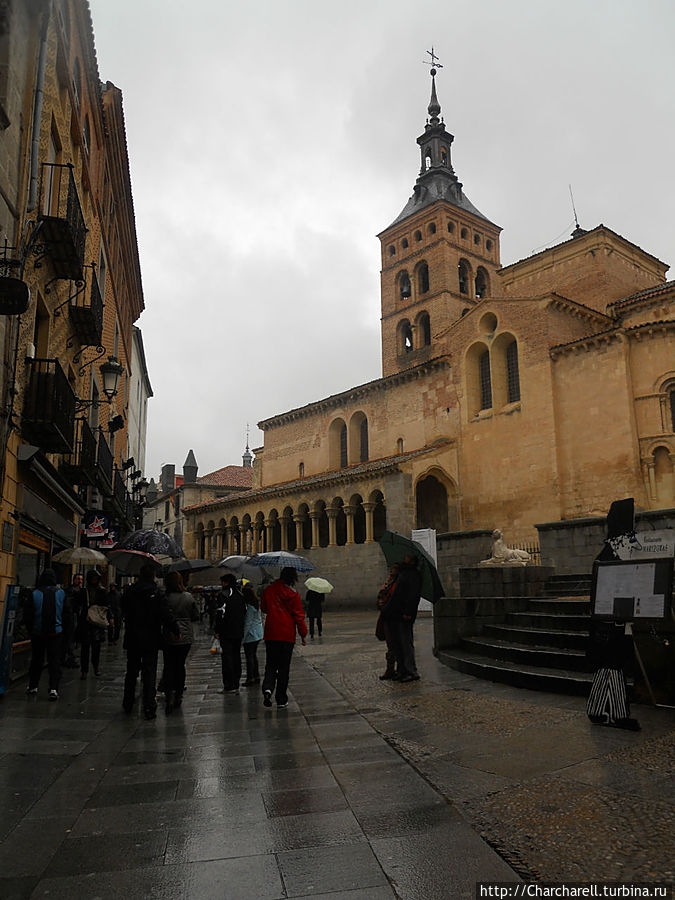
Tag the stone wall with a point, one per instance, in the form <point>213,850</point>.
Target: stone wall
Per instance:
<point>458,617</point>
<point>356,572</point>
<point>460,548</point>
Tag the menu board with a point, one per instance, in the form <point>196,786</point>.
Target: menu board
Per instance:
<point>632,590</point>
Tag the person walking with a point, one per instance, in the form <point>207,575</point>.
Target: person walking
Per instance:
<point>253,632</point>
<point>114,602</point>
<point>314,601</point>
<point>399,613</point>
<point>284,615</point>
<point>93,620</point>
<point>183,609</point>
<point>74,597</point>
<point>229,626</point>
<point>45,612</point>
<point>146,613</point>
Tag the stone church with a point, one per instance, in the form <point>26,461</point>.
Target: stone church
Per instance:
<point>510,395</point>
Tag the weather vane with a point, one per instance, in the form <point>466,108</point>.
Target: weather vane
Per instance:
<point>433,62</point>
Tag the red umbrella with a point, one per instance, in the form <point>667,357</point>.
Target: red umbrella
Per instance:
<point>131,561</point>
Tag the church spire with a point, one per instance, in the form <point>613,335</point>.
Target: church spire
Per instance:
<point>434,107</point>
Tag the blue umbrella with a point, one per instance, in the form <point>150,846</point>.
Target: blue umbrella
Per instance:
<point>282,559</point>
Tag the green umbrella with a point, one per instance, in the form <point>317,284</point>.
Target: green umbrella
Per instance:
<point>396,547</point>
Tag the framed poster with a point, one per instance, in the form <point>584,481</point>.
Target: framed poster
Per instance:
<point>630,590</point>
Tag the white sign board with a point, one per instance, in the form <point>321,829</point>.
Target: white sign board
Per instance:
<point>632,591</point>
<point>426,537</point>
<point>645,545</point>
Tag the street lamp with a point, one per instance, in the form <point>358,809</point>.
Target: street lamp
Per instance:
<point>110,375</point>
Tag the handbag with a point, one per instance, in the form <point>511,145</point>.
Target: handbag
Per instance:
<point>98,615</point>
<point>379,629</point>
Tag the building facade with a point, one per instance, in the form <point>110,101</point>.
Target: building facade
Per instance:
<point>509,396</point>
<point>69,238</point>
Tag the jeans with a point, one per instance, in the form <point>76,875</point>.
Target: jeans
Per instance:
<point>49,644</point>
<point>251,654</point>
<point>141,660</point>
<point>231,663</point>
<point>277,668</point>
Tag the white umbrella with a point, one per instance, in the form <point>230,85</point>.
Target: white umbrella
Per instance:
<point>87,556</point>
<point>239,565</point>
<point>320,585</point>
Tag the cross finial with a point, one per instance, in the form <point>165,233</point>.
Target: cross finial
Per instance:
<point>433,62</point>
<point>247,428</point>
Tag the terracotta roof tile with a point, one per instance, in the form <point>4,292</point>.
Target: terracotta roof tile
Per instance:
<point>240,477</point>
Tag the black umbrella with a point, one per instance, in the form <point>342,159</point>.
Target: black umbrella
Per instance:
<point>396,547</point>
<point>151,541</point>
<point>189,565</point>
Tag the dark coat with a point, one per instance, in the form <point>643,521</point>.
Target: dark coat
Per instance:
<point>609,647</point>
<point>405,597</point>
<point>85,631</point>
<point>146,614</point>
<point>314,601</point>
<point>230,614</point>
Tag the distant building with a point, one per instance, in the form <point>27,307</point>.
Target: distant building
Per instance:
<point>167,500</point>
<point>510,396</point>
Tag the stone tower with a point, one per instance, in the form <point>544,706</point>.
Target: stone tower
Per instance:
<point>439,256</point>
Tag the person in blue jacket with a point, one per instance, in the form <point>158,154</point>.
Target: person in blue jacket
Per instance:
<point>46,613</point>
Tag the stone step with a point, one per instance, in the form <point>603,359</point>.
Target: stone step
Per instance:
<point>541,657</point>
<point>546,637</point>
<point>574,606</point>
<point>549,620</point>
<point>534,677</point>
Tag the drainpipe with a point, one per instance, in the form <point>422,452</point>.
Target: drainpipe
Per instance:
<point>37,108</point>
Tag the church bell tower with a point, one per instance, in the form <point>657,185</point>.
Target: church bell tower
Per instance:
<point>439,256</point>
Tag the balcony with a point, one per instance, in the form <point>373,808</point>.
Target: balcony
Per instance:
<point>80,468</point>
<point>62,229</point>
<point>48,408</point>
<point>104,467</point>
<point>86,314</point>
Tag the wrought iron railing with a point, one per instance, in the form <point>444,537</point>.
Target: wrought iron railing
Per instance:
<point>49,407</point>
<point>63,231</point>
<point>534,551</point>
<point>86,313</point>
<point>81,467</point>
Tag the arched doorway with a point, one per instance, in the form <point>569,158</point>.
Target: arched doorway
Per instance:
<point>436,503</point>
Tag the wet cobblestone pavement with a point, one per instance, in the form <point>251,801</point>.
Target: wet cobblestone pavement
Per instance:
<point>360,789</point>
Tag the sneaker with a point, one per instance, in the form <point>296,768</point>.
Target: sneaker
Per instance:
<point>282,705</point>
<point>267,698</point>
<point>53,695</point>
<point>30,690</point>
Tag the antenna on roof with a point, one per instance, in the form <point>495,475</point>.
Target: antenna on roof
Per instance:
<point>578,231</point>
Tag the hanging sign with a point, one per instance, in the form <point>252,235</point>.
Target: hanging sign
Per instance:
<point>95,524</point>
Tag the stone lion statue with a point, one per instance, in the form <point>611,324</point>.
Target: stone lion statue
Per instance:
<point>503,555</point>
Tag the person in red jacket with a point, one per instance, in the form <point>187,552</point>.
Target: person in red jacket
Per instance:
<point>284,614</point>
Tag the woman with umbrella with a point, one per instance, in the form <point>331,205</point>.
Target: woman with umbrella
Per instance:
<point>92,625</point>
<point>316,588</point>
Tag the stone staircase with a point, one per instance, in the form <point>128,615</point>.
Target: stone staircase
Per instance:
<point>542,648</point>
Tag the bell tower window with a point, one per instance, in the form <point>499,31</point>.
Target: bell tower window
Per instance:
<point>463,276</point>
<point>481,283</point>
<point>427,160</point>
<point>404,286</point>
<point>485,380</point>
<point>423,278</point>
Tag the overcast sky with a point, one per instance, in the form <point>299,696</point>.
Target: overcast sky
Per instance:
<point>270,142</point>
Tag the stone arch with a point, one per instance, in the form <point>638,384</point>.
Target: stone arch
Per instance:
<point>200,541</point>
<point>320,508</point>
<point>359,518</point>
<point>423,329</point>
<point>274,530</point>
<point>481,283</point>
<point>340,521</point>
<point>464,277</point>
<point>259,526</point>
<point>303,513</point>
<point>436,501</point>
<point>478,378</point>
<point>422,277</point>
<point>235,535</point>
<point>404,285</point>
<point>358,437</point>
<point>337,439</point>
<point>289,525</point>
<point>247,549</point>
<point>379,513</point>
<point>663,475</point>
<point>404,337</point>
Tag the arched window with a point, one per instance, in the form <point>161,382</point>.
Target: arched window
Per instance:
<point>399,445</point>
<point>424,329</point>
<point>404,243</point>
<point>481,283</point>
<point>343,446</point>
<point>423,278</point>
<point>451,227</point>
<point>463,273</point>
<point>418,236</point>
<point>512,373</point>
<point>392,250</point>
<point>432,228</point>
<point>363,455</point>
<point>427,160</point>
<point>444,156</point>
<point>485,380</point>
<point>301,470</point>
<point>404,342</point>
<point>671,397</point>
<point>404,286</point>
